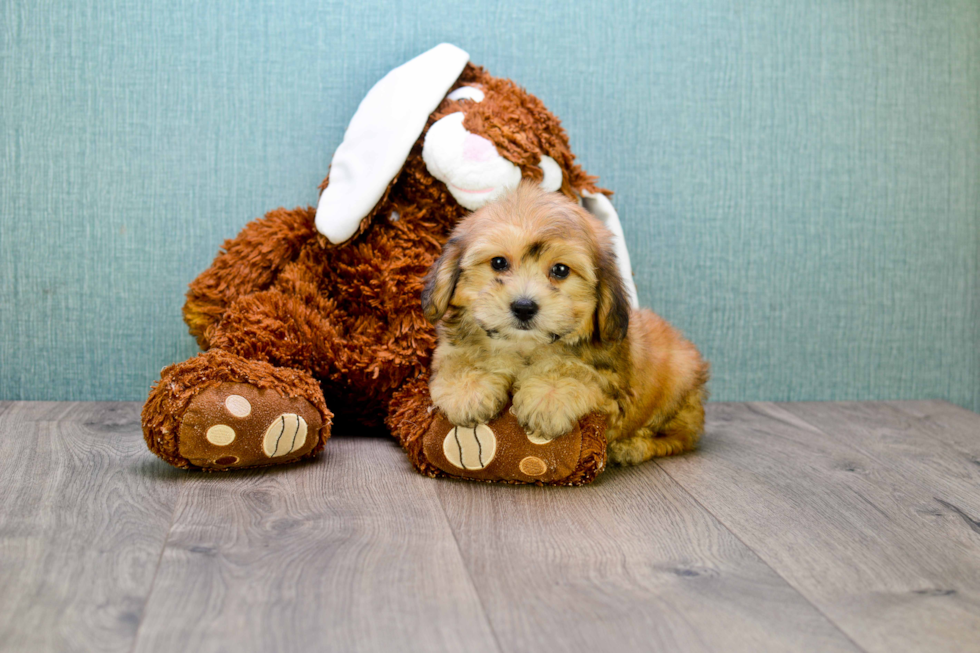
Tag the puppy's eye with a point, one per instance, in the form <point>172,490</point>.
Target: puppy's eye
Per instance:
<point>499,263</point>
<point>559,270</point>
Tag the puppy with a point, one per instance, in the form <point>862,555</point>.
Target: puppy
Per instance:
<point>529,303</point>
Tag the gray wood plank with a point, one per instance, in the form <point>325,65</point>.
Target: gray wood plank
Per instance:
<point>831,511</point>
<point>84,512</point>
<point>912,446</point>
<point>629,563</point>
<point>47,411</point>
<point>350,552</point>
<point>948,423</point>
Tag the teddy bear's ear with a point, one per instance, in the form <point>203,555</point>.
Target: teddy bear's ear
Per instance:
<point>553,176</point>
<point>599,205</point>
<point>380,136</point>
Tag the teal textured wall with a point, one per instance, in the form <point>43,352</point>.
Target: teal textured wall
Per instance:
<point>799,180</point>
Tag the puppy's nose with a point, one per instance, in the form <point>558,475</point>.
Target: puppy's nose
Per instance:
<point>524,309</point>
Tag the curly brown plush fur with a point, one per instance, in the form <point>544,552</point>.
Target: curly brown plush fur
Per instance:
<point>348,317</point>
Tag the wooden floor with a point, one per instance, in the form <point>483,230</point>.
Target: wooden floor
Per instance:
<point>811,527</point>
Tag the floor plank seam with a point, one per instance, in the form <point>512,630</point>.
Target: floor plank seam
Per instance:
<point>758,555</point>
<point>889,464</point>
<point>156,570</point>
<point>469,576</point>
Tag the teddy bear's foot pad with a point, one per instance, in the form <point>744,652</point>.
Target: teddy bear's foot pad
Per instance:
<point>500,451</point>
<point>235,425</point>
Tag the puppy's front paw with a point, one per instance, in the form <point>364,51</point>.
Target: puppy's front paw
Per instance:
<point>547,410</point>
<point>469,399</point>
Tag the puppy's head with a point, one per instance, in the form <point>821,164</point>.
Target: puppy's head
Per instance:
<point>533,266</point>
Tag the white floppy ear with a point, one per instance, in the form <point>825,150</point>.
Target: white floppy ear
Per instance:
<point>381,135</point>
<point>599,205</point>
<point>552,174</point>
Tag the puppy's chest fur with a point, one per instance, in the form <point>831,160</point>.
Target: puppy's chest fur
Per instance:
<point>604,366</point>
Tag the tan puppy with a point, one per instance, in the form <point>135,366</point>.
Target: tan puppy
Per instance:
<point>531,304</point>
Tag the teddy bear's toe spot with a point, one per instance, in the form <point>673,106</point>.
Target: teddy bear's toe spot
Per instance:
<point>226,460</point>
<point>220,435</point>
<point>470,448</point>
<point>286,434</point>
<point>533,466</point>
<point>535,438</point>
<point>238,405</point>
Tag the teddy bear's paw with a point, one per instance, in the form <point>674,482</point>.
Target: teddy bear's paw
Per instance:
<point>235,425</point>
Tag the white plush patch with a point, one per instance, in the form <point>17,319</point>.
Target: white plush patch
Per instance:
<point>552,174</point>
<point>599,205</point>
<point>466,93</point>
<point>534,438</point>
<point>286,434</point>
<point>238,406</point>
<point>469,165</point>
<point>470,448</point>
<point>380,136</point>
<point>220,435</point>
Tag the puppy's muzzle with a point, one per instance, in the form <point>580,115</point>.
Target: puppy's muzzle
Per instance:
<point>524,309</point>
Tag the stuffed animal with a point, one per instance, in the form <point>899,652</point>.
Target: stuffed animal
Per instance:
<point>314,308</point>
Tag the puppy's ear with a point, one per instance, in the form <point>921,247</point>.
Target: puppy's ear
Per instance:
<point>440,281</point>
<point>612,312</point>
<point>599,206</point>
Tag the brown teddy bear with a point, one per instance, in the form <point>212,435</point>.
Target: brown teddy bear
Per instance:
<point>307,308</point>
